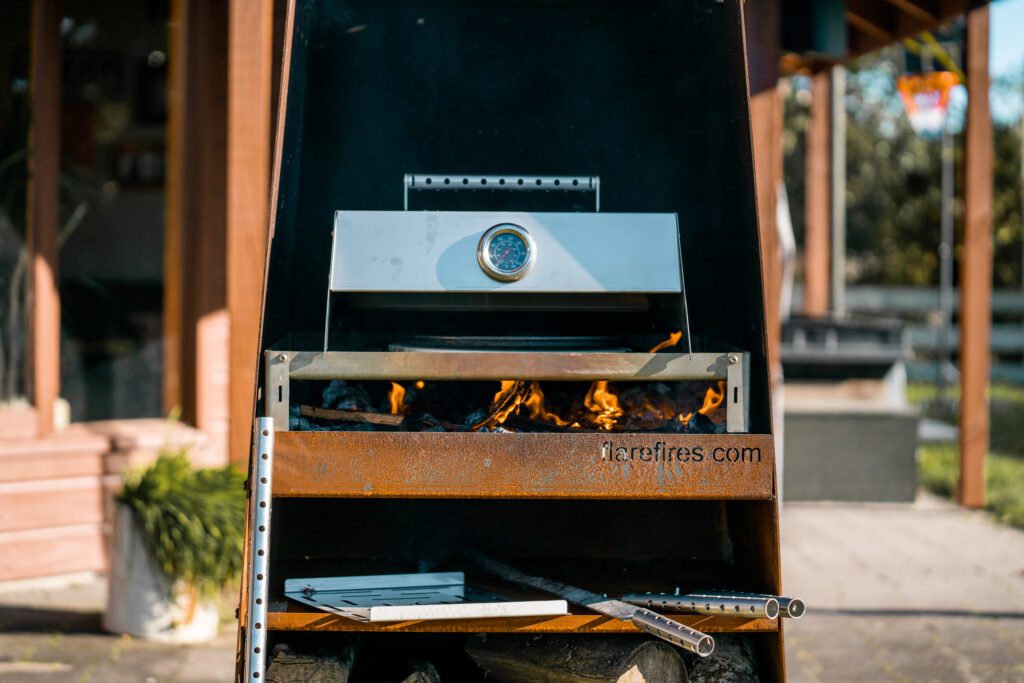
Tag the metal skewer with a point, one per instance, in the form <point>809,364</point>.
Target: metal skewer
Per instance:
<point>646,620</point>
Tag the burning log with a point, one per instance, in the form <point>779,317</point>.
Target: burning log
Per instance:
<point>384,419</point>
<point>577,659</point>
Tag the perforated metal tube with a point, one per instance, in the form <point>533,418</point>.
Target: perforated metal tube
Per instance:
<point>259,563</point>
<point>749,607</point>
<point>678,634</point>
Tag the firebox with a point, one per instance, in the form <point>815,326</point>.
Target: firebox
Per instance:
<point>543,383</point>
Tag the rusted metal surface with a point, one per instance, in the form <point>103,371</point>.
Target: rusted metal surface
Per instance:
<point>567,367</point>
<point>523,465</point>
<point>284,366</point>
<point>301,620</point>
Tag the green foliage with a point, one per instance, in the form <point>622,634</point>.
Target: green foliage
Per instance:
<point>1006,412</point>
<point>894,179</point>
<point>939,468</point>
<point>193,519</point>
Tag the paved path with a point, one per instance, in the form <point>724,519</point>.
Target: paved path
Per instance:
<point>927,592</point>
<point>53,635</point>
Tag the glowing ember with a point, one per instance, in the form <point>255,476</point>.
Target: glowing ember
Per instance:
<point>672,340</point>
<point>397,399</point>
<point>420,384</point>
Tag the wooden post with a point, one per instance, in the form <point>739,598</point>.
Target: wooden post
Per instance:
<point>250,75</point>
<point>818,198</point>
<point>766,129</point>
<point>174,203</point>
<point>43,209</point>
<point>195,281</point>
<point>976,267</point>
<point>762,22</point>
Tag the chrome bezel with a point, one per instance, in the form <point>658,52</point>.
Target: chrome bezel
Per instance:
<point>483,252</point>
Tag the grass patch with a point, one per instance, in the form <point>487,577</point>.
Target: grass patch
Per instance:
<point>1006,412</point>
<point>939,464</point>
<point>939,469</point>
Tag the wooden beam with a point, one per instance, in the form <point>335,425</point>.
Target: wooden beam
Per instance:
<point>250,75</point>
<point>976,267</point>
<point>872,29</point>
<point>766,130</point>
<point>917,10</point>
<point>43,209</point>
<point>818,198</point>
<point>174,203</point>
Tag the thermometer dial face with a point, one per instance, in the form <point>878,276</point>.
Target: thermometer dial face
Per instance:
<point>506,252</point>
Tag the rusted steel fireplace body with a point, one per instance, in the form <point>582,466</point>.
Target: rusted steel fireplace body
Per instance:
<point>554,473</point>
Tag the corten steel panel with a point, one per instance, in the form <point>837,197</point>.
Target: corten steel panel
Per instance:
<point>438,465</point>
<point>346,140</point>
<point>570,623</point>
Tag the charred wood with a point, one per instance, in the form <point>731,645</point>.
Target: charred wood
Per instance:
<point>384,419</point>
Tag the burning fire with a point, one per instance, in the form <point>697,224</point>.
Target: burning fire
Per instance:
<point>603,408</point>
<point>672,340</point>
<point>604,404</point>
<point>397,399</point>
<point>535,403</point>
<point>713,399</point>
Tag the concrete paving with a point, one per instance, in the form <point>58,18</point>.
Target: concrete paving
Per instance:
<point>50,633</point>
<point>922,592</point>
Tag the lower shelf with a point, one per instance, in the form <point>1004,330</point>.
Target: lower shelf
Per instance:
<point>295,618</point>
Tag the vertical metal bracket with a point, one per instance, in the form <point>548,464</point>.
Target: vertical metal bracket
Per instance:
<point>736,376</point>
<point>277,383</point>
<point>259,560</point>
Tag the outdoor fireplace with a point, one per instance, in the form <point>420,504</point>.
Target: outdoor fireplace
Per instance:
<point>563,372</point>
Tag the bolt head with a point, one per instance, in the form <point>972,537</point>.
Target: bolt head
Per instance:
<point>733,360</point>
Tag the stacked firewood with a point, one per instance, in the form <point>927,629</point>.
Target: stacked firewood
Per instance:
<point>530,659</point>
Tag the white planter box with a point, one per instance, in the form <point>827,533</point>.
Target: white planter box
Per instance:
<point>142,601</point>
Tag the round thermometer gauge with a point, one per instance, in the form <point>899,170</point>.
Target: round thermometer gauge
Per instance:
<point>506,252</point>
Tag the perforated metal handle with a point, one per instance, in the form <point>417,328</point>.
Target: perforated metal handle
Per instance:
<point>462,181</point>
<point>259,561</point>
<point>689,639</point>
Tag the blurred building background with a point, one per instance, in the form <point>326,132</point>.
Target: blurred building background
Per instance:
<point>135,156</point>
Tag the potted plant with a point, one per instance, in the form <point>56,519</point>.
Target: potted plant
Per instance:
<point>177,541</point>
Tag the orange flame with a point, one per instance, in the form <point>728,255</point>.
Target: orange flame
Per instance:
<point>604,403</point>
<point>672,340</point>
<point>535,402</point>
<point>420,384</point>
<point>506,402</point>
<point>397,399</point>
<point>713,398</point>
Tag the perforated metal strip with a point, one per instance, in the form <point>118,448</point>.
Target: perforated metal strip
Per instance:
<point>259,562</point>
<point>460,181</point>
